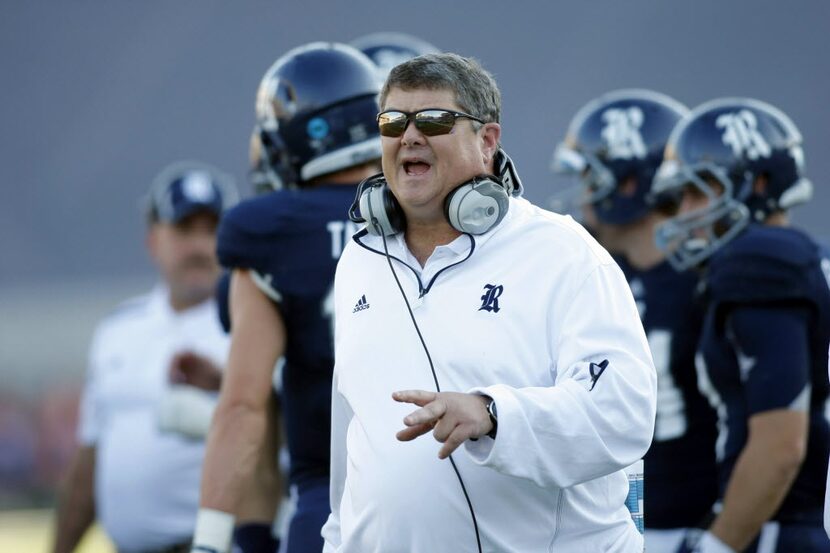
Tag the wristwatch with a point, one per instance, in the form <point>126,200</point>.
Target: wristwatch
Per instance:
<point>494,417</point>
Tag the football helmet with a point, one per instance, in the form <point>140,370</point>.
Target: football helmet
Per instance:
<point>745,157</point>
<point>316,109</point>
<point>387,49</point>
<point>614,145</point>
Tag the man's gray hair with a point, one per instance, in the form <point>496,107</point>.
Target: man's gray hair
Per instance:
<point>475,88</point>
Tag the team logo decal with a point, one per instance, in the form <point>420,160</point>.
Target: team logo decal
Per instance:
<point>740,132</point>
<point>317,128</point>
<point>622,133</point>
<point>490,299</point>
<point>196,187</point>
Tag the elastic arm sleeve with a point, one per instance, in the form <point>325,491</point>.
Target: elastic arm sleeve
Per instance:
<point>593,421</point>
<point>771,347</point>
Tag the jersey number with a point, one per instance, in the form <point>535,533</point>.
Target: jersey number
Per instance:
<point>671,407</point>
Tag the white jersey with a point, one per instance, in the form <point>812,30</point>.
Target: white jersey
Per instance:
<point>146,481</point>
<point>534,314</point>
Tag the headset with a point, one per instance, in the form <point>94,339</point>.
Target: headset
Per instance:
<point>474,207</point>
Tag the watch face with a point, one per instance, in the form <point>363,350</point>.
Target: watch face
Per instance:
<point>491,408</point>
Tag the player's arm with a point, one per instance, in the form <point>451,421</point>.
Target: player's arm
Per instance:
<point>263,492</point>
<point>240,424</point>
<point>76,505</point>
<point>771,344</point>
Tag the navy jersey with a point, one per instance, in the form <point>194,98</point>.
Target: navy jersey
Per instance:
<point>292,240</point>
<point>680,474</point>
<point>764,347</point>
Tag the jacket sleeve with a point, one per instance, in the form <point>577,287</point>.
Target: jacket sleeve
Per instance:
<point>598,415</point>
<point>341,416</point>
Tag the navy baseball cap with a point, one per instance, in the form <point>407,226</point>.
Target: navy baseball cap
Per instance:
<point>186,187</point>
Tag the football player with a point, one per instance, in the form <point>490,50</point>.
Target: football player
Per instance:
<point>316,109</point>
<point>613,146</point>
<point>738,164</point>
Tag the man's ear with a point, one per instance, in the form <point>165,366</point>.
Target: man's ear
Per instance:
<point>151,241</point>
<point>490,135</point>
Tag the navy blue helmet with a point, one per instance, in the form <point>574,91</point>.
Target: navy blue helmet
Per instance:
<point>742,154</point>
<point>316,109</point>
<point>614,146</point>
<point>388,49</point>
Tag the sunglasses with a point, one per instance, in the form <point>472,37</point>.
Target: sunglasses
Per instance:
<point>430,122</point>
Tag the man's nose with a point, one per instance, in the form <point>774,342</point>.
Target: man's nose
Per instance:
<point>411,135</point>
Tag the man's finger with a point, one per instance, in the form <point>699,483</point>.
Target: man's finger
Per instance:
<point>431,412</point>
<point>408,434</point>
<point>459,435</point>
<point>443,429</point>
<point>418,397</point>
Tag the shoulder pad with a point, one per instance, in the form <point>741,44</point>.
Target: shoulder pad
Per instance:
<point>246,232</point>
<point>764,264</point>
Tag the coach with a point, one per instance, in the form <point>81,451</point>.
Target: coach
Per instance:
<point>524,324</point>
<point>141,482</point>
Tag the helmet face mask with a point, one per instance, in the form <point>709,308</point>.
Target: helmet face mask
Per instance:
<point>594,180</point>
<point>689,238</point>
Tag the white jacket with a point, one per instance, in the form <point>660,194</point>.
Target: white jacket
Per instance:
<point>552,480</point>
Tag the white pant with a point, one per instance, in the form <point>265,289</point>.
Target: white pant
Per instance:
<point>664,541</point>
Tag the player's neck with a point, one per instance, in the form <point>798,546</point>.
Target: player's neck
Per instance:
<point>183,302</point>
<point>636,243</point>
<point>778,219</point>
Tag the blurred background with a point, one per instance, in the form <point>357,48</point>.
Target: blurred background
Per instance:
<point>96,96</point>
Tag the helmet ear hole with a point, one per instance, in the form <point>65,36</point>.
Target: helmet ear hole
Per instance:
<point>759,185</point>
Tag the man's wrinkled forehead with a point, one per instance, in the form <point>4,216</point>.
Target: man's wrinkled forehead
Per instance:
<point>411,90</point>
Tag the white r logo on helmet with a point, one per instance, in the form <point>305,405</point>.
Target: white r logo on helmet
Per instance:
<point>622,133</point>
<point>740,132</point>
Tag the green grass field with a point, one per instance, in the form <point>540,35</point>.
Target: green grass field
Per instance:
<point>31,532</point>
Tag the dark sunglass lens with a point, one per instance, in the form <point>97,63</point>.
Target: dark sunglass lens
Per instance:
<point>392,123</point>
<point>434,122</point>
